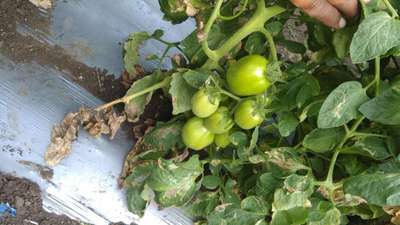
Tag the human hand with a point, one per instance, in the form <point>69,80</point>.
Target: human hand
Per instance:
<point>330,12</point>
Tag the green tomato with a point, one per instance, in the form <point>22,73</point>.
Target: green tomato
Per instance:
<point>203,105</point>
<point>195,135</point>
<point>222,140</point>
<point>247,116</point>
<point>248,76</point>
<point>219,122</point>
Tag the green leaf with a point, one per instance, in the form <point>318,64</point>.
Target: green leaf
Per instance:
<point>232,216</point>
<point>136,204</point>
<point>378,189</point>
<point>325,213</point>
<point>352,165</point>
<point>295,216</point>
<point>384,108</point>
<point>310,89</point>
<point>266,184</point>
<point>131,48</point>
<point>372,39</point>
<point>341,106</point>
<point>202,204</point>
<point>231,195</point>
<point>310,110</point>
<point>255,44</point>
<point>287,123</point>
<point>174,10</point>
<point>323,140</point>
<point>256,205</point>
<point>364,211</point>
<point>174,183</point>
<point>181,94</point>
<point>196,78</point>
<point>136,106</point>
<point>293,46</point>
<point>341,41</point>
<point>373,147</point>
<point>211,181</point>
<point>239,138</point>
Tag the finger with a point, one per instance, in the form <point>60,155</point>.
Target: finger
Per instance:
<point>348,7</point>
<point>322,11</point>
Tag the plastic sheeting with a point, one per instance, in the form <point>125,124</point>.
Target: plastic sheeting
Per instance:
<point>33,97</point>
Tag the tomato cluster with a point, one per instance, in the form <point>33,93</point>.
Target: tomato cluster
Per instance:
<point>215,122</point>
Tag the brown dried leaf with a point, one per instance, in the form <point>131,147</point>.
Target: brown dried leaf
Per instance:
<point>114,122</point>
<point>62,137</point>
<point>394,212</point>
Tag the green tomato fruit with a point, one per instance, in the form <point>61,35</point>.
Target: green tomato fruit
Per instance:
<point>204,105</point>
<point>219,122</point>
<point>248,76</point>
<point>195,135</point>
<point>247,116</point>
<point>222,140</point>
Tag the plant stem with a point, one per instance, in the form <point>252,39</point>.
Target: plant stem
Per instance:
<point>360,134</point>
<point>204,44</point>
<point>271,43</point>
<point>255,24</point>
<point>377,76</point>
<point>391,8</point>
<point>227,93</point>
<point>242,9</point>
<point>127,98</point>
<point>356,125</point>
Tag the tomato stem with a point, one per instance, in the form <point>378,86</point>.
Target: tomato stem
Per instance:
<point>254,24</point>
<point>127,98</point>
<point>227,93</point>
<point>242,9</point>
<point>391,8</point>
<point>271,43</point>
<point>377,75</point>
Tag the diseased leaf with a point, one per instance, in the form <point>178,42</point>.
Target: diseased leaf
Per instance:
<point>131,48</point>
<point>378,188</point>
<point>297,183</point>
<point>325,213</point>
<point>286,158</point>
<point>266,184</point>
<point>174,10</point>
<point>157,142</point>
<point>287,123</point>
<point>341,106</point>
<point>136,106</point>
<point>174,183</point>
<point>256,205</point>
<point>293,46</point>
<point>289,200</point>
<point>323,140</point>
<point>255,43</point>
<point>181,94</point>
<point>196,78</point>
<point>373,147</point>
<point>372,39</point>
<point>224,214</point>
<point>202,204</point>
<point>384,108</point>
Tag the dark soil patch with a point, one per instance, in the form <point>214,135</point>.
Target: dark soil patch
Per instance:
<point>24,196</point>
<point>23,49</point>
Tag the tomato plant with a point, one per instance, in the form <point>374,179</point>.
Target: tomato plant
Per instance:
<point>317,139</point>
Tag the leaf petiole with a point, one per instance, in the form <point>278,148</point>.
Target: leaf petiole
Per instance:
<point>391,8</point>
<point>227,93</point>
<point>271,43</point>
<point>127,98</point>
<point>360,134</point>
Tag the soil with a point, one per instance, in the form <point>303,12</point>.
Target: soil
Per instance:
<point>23,49</point>
<point>24,196</point>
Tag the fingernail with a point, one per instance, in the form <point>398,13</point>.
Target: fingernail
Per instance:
<point>342,22</point>
<point>366,1</point>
